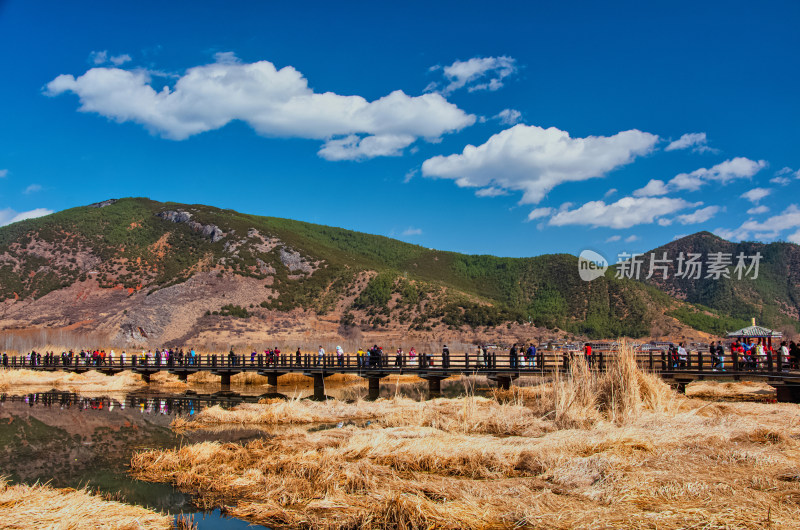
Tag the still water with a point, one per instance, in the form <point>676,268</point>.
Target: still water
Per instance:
<point>75,441</point>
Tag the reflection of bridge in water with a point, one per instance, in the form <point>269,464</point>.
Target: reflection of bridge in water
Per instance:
<point>149,404</point>
<point>773,369</point>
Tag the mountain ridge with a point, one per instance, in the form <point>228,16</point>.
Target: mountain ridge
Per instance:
<point>123,265</point>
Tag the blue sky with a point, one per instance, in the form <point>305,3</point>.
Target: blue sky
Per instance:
<point>514,128</point>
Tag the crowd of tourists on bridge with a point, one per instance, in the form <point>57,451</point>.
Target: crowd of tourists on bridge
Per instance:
<point>739,355</point>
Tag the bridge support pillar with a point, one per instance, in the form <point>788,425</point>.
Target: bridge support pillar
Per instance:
<point>146,377</point>
<point>319,386</point>
<point>272,379</point>
<point>225,380</point>
<point>679,385</point>
<point>788,393</point>
<point>183,376</point>
<point>434,387</point>
<point>374,388</point>
<point>504,382</point>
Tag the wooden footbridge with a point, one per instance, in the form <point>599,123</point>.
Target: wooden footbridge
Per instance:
<point>773,369</point>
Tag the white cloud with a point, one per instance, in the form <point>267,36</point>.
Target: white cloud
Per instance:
<point>354,147</point>
<point>411,231</point>
<point>794,238</point>
<point>631,238</point>
<point>723,172</point>
<point>490,192</point>
<point>782,181</point>
<point>784,176</point>
<point>625,213</point>
<point>613,238</point>
<point>697,141</point>
<point>699,216</point>
<point>98,57</point>
<point>3,173</point>
<point>410,175</point>
<point>538,213</point>
<point>33,188</point>
<point>102,57</point>
<point>768,229</point>
<point>478,73</point>
<point>758,210</point>
<point>609,193</point>
<point>653,188</point>
<point>275,103</point>
<point>8,216</point>
<point>756,194</point>
<point>665,221</point>
<point>679,236</point>
<point>534,160</point>
<point>509,116</point>
<point>118,60</point>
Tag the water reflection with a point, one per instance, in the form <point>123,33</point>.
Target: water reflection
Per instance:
<point>71,440</point>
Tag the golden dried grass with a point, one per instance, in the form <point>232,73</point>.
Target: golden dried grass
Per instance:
<point>585,450</point>
<point>89,382</point>
<point>39,506</point>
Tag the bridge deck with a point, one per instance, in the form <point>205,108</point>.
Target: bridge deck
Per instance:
<point>781,373</point>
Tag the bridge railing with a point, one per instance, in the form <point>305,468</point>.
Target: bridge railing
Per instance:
<point>545,361</point>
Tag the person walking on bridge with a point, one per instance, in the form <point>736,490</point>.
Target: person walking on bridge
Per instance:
<point>321,355</point>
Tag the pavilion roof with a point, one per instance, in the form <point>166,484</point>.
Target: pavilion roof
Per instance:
<point>756,332</point>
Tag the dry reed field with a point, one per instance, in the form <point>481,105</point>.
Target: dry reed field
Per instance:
<point>25,507</point>
<point>619,450</point>
<point>87,382</point>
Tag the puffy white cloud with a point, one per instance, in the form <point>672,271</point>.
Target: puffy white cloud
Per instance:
<point>758,210</point>
<point>411,231</point>
<point>756,194</point>
<point>698,216</point>
<point>509,116</point>
<point>697,141</point>
<point>794,238</point>
<point>768,229</point>
<point>274,102</point>
<point>653,188</point>
<point>613,238</point>
<point>538,213</point>
<point>534,160</point>
<point>3,173</point>
<point>724,172</point>
<point>625,213</point>
<point>478,73</point>
<point>8,216</point>
<point>631,238</point>
<point>33,188</point>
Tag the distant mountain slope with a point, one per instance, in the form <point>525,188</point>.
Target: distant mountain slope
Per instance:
<point>148,271</point>
<point>773,298</point>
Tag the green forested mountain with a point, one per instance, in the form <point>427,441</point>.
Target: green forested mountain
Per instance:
<point>769,293</point>
<point>143,247</point>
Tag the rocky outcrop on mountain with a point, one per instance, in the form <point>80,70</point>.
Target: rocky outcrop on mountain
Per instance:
<point>209,231</point>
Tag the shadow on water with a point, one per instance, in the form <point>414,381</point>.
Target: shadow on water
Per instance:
<point>74,441</point>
